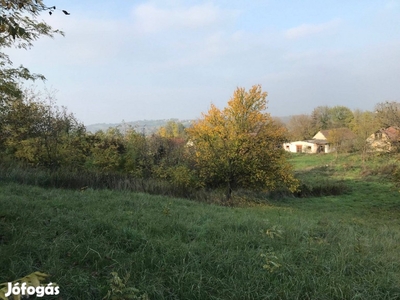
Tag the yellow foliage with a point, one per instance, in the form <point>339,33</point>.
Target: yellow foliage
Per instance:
<point>172,130</point>
<point>240,146</point>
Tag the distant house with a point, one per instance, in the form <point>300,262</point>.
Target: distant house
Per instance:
<point>385,140</point>
<point>320,143</point>
<point>308,146</point>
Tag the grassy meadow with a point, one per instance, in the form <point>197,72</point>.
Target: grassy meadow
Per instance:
<point>342,246</point>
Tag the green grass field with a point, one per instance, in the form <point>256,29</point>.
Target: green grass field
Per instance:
<point>332,247</point>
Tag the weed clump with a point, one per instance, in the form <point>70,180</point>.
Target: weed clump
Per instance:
<point>322,189</point>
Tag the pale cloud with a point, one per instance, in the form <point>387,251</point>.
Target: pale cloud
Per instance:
<point>203,51</point>
<point>393,4</point>
<point>94,41</point>
<point>306,30</point>
<point>313,56</point>
<point>149,18</point>
<point>88,42</point>
<point>172,58</point>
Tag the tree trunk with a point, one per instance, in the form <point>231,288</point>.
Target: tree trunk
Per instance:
<point>228,192</point>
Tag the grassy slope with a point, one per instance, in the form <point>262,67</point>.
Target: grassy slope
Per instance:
<point>342,247</point>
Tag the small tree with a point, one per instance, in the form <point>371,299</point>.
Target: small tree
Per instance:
<point>325,117</point>
<point>320,118</point>
<point>40,133</point>
<point>341,140</point>
<point>300,127</point>
<point>363,125</point>
<point>240,146</point>
<point>336,139</point>
<point>388,113</point>
<point>341,116</point>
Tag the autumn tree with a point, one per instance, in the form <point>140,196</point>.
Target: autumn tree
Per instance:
<point>19,124</point>
<point>337,140</point>
<point>240,146</point>
<point>363,125</point>
<point>300,127</point>
<point>40,133</point>
<point>388,114</point>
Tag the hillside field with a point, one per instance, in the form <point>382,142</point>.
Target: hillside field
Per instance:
<point>342,246</point>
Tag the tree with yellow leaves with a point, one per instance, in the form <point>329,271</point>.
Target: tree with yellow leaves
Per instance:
<point>240,146</point>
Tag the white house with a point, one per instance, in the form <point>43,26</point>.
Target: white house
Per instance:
<point>319,143</point>
<point>308,146</point>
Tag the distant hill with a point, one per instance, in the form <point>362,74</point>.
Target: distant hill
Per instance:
<point>147,127</point>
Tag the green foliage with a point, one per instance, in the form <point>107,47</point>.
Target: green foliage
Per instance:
<point>363,125</point>
<point>19,22</point>
<point>107,151</point>
<point>172,130</point>
<point>325,117</point>
<point>182,176</point>
<point>136,161</point>
<point>9,81</point>
<point>341,116</point>
<point>42,134</point>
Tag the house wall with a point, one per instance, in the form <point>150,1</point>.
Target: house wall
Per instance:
<point>329,149</point>
<point>319,136</point>
<point>306,147</point>
<point>379,142</point>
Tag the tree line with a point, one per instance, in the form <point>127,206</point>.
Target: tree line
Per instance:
<point>362,123</point>
<point>236,147</point>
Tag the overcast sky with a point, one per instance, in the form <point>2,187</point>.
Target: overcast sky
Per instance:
<point>135,60</point>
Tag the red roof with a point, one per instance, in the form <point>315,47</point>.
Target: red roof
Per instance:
<point>392,132</point>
